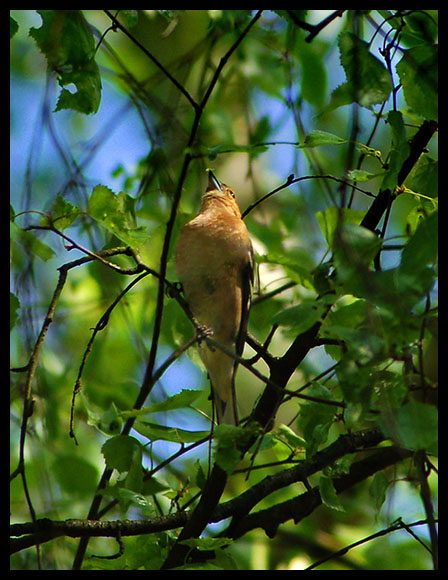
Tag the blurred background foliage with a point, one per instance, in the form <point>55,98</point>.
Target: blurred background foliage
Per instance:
<point>92,115</point>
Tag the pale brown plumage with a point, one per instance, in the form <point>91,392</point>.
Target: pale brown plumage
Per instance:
<point>214,260</point>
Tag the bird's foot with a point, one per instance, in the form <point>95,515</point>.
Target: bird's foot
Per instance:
<point>202,332</point>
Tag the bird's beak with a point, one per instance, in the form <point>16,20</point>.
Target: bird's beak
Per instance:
<point>213,181</point>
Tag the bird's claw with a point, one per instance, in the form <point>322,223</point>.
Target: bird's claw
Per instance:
<point>203,332</point>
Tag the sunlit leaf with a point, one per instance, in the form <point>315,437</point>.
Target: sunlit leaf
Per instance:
<point>116,213</point>
<point>418,71</point>
<point>328,494</point>
<point>317,138</point>
<point>155,432</point>
<point>119,452</point>
<point>67,42</point>
<point>368,80</point>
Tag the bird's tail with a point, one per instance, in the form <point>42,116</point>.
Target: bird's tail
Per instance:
<point>226,411</point>
<point>221,371</point>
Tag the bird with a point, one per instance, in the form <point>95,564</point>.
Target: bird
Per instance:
<point>215,267</point>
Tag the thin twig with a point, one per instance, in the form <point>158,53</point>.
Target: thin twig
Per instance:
<point>94,255</point>
<point>398,525</point>
<point>425,495</point>
<point>153,59</point>
<point>292,179</point>
<point>101,324</point>
<point>314,29</point>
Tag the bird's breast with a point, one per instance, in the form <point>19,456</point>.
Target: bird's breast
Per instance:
<point>212,253</point>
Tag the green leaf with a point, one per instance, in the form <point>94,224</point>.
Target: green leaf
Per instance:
<point>30,242</point>
<point>342,95</point>
<point>368,80</point>
<point>206,544</point>
<point>14,305</point>
<point>397,289</point>
<point>130,17</point>
<point>227,443</point>
<point>155,432</point>
<point>226,453</point>
<point>62,213</point>
<point>67,42</point>
<point>424,178</point>
<point>213,152</point>
<point>414,426</point>
<point>134,477</point>
<point>418,72</point>
<point>87,97</point>
<point>13,27</point>
<point>291,437</point>
<point>331,218</point>
<point>422,249</point>
<point>64,37</point>
<point>378,488</point>
<point>300,317</point>
<point>317,138</point>
<point>116,213</point>
<point>261,131</point>
<point>360,175</point>
<point>152,485</point>
<point>107,421</point>
<point>322,275</point>
<point>119,452</point>
<point>299,15</point>
<point>361,343</point>
<point>136,499</point>
<point>74,474</point>
<point>297,272</point>
<point>354,246</point>
<point>200,477</point>
<point>328,494</point>
<point>316,418</point>
<point>181,400</point>
<point>344,314</point>
<point>399,151</point>
<point>313,81</point>
<point>178,401</point>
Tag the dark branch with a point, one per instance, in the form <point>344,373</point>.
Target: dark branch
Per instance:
<point>300,507</point>
<point>314,29</point>
<point>385,197</point>
<point>44,530</point>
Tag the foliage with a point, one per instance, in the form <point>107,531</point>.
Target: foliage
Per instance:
<point>324,123</point>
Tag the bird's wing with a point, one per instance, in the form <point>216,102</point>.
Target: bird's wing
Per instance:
<point>247,286</point>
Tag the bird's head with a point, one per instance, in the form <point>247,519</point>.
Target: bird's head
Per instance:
<point>218,195</point>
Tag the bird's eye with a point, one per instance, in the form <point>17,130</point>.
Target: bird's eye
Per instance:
<point>232,194</point>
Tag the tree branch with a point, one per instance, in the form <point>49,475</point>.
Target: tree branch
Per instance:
<point>300,507</point>
<point>314,29</point>
<point>44,530</point>
<point>345,444</point>
<point>269,519</point>
<point>291,179</point>
<point>281,371</point>
<point>385,197</point>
